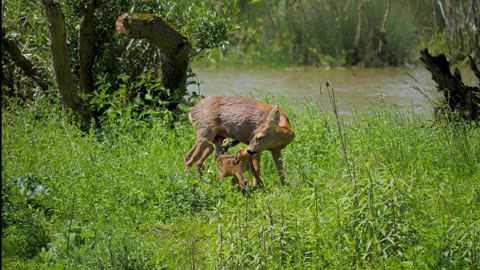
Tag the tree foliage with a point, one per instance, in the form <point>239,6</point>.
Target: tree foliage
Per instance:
<point>285,32</point>
<point>114,56</point>
<point>322,32</point>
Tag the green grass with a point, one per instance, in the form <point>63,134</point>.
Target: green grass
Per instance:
<point>406,196</point>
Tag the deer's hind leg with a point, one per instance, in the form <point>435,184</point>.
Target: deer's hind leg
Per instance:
<point>188,158</point>
<point>199,152</point>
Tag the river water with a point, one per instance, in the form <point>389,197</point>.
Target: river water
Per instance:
<point>354,88</point>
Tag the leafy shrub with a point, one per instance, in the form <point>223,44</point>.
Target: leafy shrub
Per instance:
<point>25,217</point>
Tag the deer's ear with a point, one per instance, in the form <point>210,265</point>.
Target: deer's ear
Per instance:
<point>273,117</point>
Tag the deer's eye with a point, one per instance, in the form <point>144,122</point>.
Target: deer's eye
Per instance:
<point>260,137</point>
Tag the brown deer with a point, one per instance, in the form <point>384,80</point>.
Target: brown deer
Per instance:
<point>262,126</point>
<point>234,164</point>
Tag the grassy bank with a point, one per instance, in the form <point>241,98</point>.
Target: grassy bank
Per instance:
<point>402,193</point>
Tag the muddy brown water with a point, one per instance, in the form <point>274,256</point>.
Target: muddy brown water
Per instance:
<point>354,88</point>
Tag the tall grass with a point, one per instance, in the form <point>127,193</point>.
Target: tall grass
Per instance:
<point>119,198</point>
<point>321,33</point>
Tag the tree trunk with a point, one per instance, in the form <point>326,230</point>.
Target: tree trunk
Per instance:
<point>353,56</point>
<point>58,45</point>
<point>459,97</point>
<point>85,48</point>
<point>175,48</point>
<point>474,68</point>
<point>382,53</point>
<point>383,27</point>
<point>359,24</point>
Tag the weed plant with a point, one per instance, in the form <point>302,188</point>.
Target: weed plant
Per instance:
<point>405,197</point>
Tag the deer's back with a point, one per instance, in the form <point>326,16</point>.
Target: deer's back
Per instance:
<point>235,117</point>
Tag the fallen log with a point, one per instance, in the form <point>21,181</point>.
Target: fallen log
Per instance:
<point>459,97</point>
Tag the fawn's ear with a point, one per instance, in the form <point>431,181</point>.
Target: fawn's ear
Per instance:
<point>225,143</point>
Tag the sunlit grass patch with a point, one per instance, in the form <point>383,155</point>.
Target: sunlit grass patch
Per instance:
<point>120,198</point>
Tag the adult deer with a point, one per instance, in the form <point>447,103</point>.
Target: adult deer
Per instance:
<point>262,126</point>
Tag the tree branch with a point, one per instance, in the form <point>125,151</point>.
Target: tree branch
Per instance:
<point>22,62</point>
<point>359,24</point>
<point>174,46</point>
<point>153,28</point>
<point>383,28</point>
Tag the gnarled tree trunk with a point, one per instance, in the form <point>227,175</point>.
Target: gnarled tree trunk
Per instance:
<point>459,97</point>
<point>174,46</point>
<point>69,92</point>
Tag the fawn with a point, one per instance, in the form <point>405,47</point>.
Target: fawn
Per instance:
<point>234,164</point>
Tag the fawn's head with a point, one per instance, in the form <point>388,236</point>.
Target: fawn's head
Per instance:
<point>221,145</point>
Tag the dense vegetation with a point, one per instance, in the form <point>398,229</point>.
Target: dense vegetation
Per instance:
<point>324,32</point>
<point>274,33</point>
<point>93,65</point>
<point>405,195</point>
<point>385,188</point>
